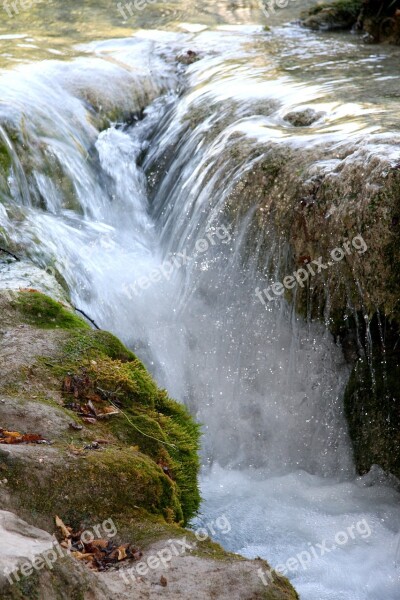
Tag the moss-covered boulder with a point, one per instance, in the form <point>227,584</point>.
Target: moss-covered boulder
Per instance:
<point>149,458</point>
<point>378,19</point>
<point>336,15</point>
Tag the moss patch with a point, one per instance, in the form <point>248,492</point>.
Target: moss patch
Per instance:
<point>341,14</point>
<point>151,460</point>
<point>95,487</point>
<point>41,311</point>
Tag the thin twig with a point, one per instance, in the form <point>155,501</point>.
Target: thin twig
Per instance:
<point>139,430</point>
<point>10,254</point>
<point>86,316</point>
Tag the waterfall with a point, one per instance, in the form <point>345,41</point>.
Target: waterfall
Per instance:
<point>128,177</point>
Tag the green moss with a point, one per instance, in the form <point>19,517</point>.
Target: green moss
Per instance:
<point>340,7</point>
<point>282,589</point>
<point>113,482</point>
<point>41,311</point>
<point>63,580</point>
<point>341,14</point>
<point>162,431</point>
<point>5,160</point>
<point>26,587</point>
<point>92,344</point>
<point>126,381</point>
<point>372,404</point>
<point>210,549</point>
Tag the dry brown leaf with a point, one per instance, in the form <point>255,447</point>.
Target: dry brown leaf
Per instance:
<point>66,531</point>
<point>14,437</point>
<point>82,556</point>
<point>100,543</point>
<point>122,553</point>
<point>109,413</point>
<point>11,434</point>
<point>31,437</point>
<point>110,410</point>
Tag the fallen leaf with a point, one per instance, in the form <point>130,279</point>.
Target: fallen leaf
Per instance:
<point>81,556</point>
<point>92,408</point>
<point>14,437</point>
<point>6,433</point>
<point>110,410</point>
<point>31,437</point>
<point>137,554</point>
<point>108,413</point>
<point>99,554</point>
<point>66,531</point>
<point>102,544</point>
<point>122,553</point>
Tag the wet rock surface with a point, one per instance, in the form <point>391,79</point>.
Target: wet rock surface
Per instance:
<point>378,21</point>
<point>303,118</point>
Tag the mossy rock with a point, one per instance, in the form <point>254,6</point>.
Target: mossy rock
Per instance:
<point>337,15</point>
<point>298,212</point>
<point>341,14</point>
<point>44,312</point>
<point>151,460</point>
<point>91,488</point>
<point>378,19</point>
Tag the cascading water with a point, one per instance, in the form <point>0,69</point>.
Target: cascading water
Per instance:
<point>146,224</point>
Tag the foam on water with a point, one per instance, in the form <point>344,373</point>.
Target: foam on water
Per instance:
<point>341,539</point>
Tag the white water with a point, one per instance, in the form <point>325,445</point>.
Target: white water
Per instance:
<point>267,386</point>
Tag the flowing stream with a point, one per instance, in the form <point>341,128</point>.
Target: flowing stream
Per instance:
<point>127,179</point>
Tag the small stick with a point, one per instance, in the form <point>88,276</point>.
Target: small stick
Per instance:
<point>10,254</point>
<point>86,317</point>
